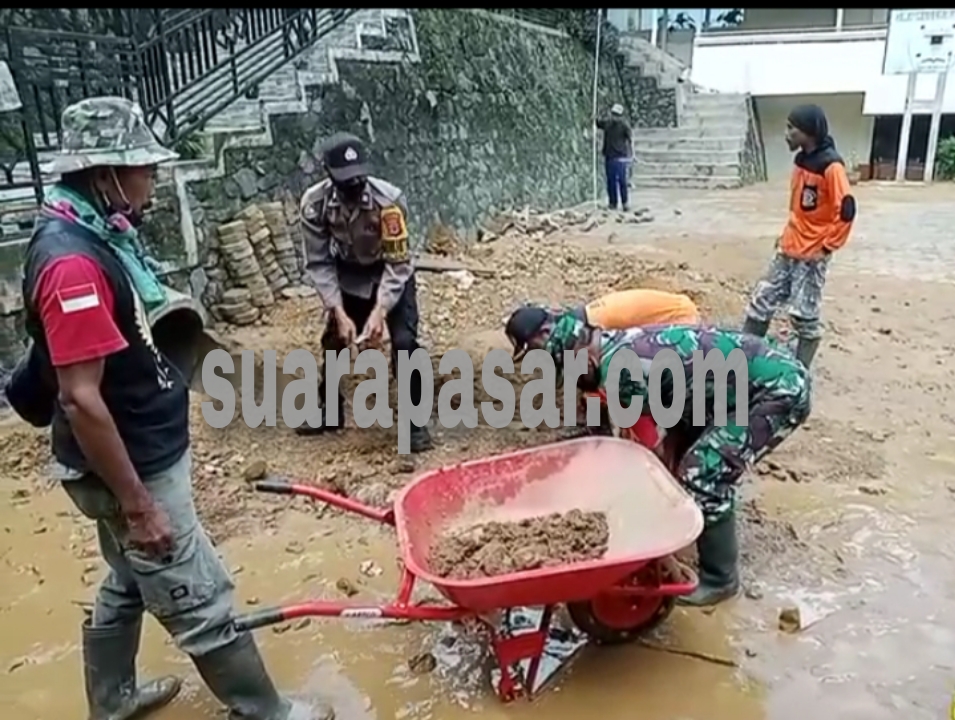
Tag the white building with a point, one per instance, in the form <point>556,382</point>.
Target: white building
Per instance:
<point>784,57</point>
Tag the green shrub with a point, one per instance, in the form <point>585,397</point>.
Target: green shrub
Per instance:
<point>945,159</point>
<point>190,147</point>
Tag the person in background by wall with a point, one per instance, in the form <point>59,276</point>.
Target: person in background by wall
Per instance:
<point>821,212</point>
<point>617,152</point>
<point>120,427</point>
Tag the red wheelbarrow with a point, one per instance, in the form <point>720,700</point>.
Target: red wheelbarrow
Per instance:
<point>612,600</point>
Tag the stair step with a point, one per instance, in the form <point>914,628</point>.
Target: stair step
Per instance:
<point>666,169</point>
<point>692,156</point>
<point>686,181</point>
<point>708,130</point>
<point>715,112</point>
<point>666,143</point>
<point>715,99</point>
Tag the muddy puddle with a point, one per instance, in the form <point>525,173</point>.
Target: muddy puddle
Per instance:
<point>50,568</point>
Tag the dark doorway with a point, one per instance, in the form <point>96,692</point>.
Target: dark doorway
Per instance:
<point>886,132</point>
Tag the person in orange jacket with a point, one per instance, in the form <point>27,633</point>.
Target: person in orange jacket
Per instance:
<point>528,327</point>
<point>821,212</point>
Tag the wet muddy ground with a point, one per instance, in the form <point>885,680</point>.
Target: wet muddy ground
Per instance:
<point>847,523</point>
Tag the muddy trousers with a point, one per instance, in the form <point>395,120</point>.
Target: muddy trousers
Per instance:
<point>402,324</point>
<point>189,592</point>
<point>799,283</point>
<point>711,468</point>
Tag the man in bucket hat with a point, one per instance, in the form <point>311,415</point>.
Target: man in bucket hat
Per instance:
<point>120,428</point>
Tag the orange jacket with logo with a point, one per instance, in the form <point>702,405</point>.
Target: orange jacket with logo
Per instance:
<point>632,308</point>
<point>821,205</point>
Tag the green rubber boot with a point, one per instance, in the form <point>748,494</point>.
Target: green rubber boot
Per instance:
<point>755,327</point>
<point>109,666</point>
<point>806,350</point>
<point>718,552</point>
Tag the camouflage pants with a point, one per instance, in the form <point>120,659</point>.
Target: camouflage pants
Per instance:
<point>779,402</point>
<point>798,282</point>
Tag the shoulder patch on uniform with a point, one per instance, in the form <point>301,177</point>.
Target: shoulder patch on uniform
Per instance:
<point>312,197</point>
<point>394,234</point>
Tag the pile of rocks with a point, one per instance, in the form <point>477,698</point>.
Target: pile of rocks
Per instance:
<point>274,214</point>
<point>536,224</point>
<point>260,235</point>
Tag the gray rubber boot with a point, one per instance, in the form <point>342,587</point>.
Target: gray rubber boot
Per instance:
<point>718,552</point>
<point>237,676</point>
<point>109,666</point>
<point>806,350</point>
<point>755,327</point>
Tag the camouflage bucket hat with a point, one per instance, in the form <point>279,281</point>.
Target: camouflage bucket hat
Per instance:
<point>110,131</point>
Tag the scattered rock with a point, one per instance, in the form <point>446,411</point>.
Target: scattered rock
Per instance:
<point>255,471</point>
<point>422,664</point>
<point>369,568</point>
<point>347,587</point>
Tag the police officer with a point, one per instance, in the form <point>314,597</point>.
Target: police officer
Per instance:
<point>357,256</point>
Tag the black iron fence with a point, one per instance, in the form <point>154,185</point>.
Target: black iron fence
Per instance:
<point>183,67</point>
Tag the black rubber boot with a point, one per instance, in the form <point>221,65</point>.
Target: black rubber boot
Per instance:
<point>237,676</point>
<point>755,327</point>
<point>420,440</point>
<point>324,426</point>
<point>109,664</point>
<point>806,350</point>
<point>718,552</point>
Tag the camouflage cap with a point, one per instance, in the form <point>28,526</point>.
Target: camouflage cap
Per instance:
<point>109,131</point>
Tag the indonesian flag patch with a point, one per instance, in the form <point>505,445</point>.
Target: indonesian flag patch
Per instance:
<point>78,298</point>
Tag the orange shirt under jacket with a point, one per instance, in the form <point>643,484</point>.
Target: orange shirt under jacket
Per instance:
<point>821,206</point>
<point>633,308</point>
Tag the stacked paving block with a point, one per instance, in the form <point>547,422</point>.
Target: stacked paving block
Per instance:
<point>239,257</point>
<point>260,236</point>
<point>236,307</point>
<point>282,240</point>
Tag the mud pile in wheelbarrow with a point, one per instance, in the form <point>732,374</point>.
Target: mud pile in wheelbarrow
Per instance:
<point>499,548</point>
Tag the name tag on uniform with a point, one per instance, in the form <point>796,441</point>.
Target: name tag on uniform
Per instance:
<point>394,234</point>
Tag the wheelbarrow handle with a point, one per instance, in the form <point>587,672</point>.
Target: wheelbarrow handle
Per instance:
<point>258,619</point>
<point>278,487</point>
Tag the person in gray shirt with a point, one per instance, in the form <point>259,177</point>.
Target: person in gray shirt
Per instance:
<point>357,256</point>
<point>617,152</point>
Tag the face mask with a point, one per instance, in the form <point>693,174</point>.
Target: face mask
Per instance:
<point>133,217</point>
<point>352,190</point>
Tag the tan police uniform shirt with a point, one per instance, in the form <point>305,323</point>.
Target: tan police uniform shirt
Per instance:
<point>355,249</point>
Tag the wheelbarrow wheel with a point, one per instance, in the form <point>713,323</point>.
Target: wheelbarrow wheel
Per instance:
<point>616,619</point>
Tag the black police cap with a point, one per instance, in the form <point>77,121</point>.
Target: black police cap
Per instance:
<point>345,157</point>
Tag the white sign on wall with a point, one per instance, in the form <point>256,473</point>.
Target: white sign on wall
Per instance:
<point>919,41</point>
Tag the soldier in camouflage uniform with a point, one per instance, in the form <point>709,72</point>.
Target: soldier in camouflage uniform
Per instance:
<point>716,457</point>
<point>120,426</point>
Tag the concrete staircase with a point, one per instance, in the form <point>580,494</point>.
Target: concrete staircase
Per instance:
<point>705,151</point>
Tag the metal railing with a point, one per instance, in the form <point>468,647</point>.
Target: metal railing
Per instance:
<point>195,68</point>
<point>52,69</point>
<point>191,65</point>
